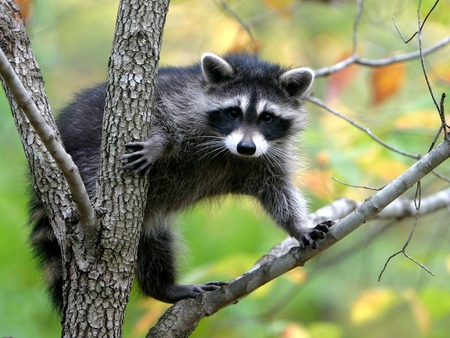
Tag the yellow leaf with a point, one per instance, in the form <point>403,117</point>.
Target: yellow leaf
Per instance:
<point>386,81</point>
<point>372,304</point>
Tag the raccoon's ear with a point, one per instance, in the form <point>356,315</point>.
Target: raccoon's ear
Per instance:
<point>215,69</point>
<point>297,81</point>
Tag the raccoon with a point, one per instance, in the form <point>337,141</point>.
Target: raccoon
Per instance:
<point>227,125</point>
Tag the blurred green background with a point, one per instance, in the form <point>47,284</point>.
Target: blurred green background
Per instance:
<point>337,294</point>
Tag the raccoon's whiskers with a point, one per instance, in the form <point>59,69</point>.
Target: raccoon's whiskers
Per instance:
<point>211,148</point>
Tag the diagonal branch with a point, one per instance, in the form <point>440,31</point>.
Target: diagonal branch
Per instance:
<point>47,134</point>
<point>184,315</point>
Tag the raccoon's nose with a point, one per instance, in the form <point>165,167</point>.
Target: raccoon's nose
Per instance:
<point>246,148</point>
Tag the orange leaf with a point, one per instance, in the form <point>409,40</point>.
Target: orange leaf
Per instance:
<point>386,81</point>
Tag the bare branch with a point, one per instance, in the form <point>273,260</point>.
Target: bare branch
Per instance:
<point>397,210</point>
<point>422,59</point>
<point>355,59</point>
<point>438,107</point>
<point>417,203</point>
<point>70,171</point>
<point>420,25</point>
<point>442,114</point>
<point>356,186</point>
<point>444,126</point>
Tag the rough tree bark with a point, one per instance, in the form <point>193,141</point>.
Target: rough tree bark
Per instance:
<point>130,96</point>
<point>48,183</point>
<point>98,274</point>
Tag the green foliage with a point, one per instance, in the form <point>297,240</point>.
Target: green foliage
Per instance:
<point>336,294</point>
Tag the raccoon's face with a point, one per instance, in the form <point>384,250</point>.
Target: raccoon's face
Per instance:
<point>248,126</point>
<point>260,103</point>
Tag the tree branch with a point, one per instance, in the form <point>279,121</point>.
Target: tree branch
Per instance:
<point>186,314</point>
<point>16,46</point>
<point>48,135</point>
<point>356,59</point>
<point>397,210</point>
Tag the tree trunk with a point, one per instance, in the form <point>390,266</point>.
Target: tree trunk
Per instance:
<point>97,296</point>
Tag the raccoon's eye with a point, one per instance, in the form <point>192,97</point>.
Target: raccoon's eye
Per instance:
<point>233,113</point>
<point>267,117</point>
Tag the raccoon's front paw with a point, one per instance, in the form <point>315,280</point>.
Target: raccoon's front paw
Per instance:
<point>316,233</point>
<point>141,159</point>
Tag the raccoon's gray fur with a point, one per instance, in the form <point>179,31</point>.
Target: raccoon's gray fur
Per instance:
<point>227,125</point>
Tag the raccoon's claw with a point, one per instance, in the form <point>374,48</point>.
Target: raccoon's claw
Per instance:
<point>316,233</point>
<point>140,160</point>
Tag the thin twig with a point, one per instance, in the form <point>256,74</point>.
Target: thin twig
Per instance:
<point>356,186</point>
<point>420,26</point>
<point>320,103</point>
<point>442,111</point>
<point>422,59</point>
<point>417,202</point>
<point>444,126</point>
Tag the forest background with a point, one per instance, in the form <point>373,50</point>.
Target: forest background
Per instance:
<point>338,293</point>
